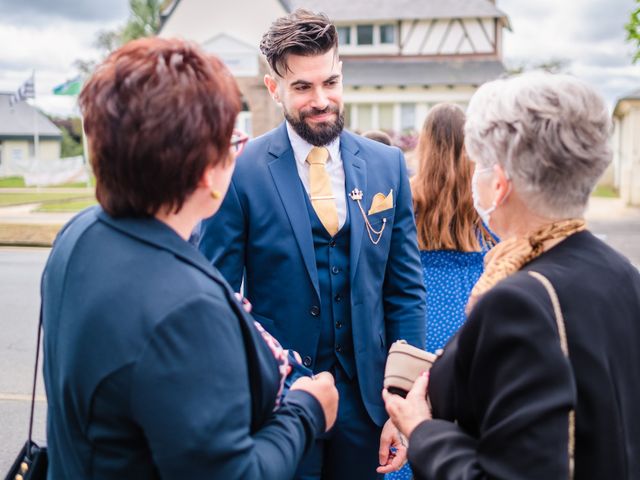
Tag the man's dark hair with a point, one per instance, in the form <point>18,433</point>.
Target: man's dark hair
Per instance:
<point>300,33</point>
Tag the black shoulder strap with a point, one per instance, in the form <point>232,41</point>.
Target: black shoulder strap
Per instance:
<point>35,377</point>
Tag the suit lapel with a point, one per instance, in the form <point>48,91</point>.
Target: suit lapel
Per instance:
<point>355,172</point>
<point>285,176</point>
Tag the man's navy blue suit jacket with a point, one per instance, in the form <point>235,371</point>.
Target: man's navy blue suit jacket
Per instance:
<point>262,236</point>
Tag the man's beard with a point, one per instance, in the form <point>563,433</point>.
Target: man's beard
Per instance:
<point>324,132</point>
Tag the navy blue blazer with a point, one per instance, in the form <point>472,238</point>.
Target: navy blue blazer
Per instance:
<point>151,366</point>
<point>262,235</point>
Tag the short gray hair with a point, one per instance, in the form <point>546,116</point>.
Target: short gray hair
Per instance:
<point>550,133</point>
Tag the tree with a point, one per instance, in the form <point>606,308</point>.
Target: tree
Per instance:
<point>633,30</point>
<point>144,21</point>
<point>553,65</point>
<point>71,129</point>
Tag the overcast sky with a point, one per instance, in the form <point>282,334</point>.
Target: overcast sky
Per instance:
<point>589,34</point>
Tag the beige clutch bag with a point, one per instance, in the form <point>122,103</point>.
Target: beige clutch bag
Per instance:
<point>404,364</point>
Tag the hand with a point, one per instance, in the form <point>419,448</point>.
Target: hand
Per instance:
<point>408,413</point>
<point>321,386</point>
<point>246,304</point>
<point>393,450</point>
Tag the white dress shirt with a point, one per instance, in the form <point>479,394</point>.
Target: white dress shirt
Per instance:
<point>301,149</point>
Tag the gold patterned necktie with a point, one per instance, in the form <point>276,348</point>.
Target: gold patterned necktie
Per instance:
<point>322,199</point>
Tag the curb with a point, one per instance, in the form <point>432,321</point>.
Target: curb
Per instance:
<point>28,235</point>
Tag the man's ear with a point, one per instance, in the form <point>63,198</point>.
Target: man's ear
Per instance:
<point>272,85</point>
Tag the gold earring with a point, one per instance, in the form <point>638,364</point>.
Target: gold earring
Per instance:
<point>215,194</point>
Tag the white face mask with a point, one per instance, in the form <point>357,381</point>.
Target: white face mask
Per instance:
<point>484,213</point>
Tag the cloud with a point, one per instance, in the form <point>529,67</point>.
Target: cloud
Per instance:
<point>600,20</point>
<point>39,12</point>
<point>589,34</point>
<point>48,40</point>
<point>53,48</point>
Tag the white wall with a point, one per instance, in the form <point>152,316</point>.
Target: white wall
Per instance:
<point>200,20</point>
<point>422,98</point>
<point>16,154</point>
<point>449,36</point>
<point>628,138</point>
<point>432,37</point>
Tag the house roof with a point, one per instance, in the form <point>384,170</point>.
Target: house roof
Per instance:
<point>373,10</point>
<point>635,95</point>
<point>621,106</point>
<point>18,120</point>
<point>420,72</point>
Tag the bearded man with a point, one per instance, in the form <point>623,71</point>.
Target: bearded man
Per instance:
<point>318,224</point>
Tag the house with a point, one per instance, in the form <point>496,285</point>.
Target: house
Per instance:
<point>17,126</point>
<point>400,57</point>
<point>626,147</point>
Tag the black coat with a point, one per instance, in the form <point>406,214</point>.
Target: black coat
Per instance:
<point>506,384</point>
<point>153,369</point>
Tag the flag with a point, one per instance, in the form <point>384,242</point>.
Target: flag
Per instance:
<point>70,87</point>
<point>26,90</point>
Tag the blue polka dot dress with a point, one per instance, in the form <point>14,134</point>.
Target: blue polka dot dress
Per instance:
<point>449,276</point>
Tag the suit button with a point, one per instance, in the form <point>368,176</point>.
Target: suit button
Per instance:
<point>338,348</point>
<point>315,311</point>
<point>332,243</point>
<point>338,324</point>
<point>338,298</point>
<point>335,270</point>
<point>306,361</point>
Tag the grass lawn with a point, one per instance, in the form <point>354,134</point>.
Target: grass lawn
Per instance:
<point>8,199</point>
<point>11,182</point>
<point>606,192</point>
<point>18,182</point>
<point>92,183</point>
<point>67,206</point>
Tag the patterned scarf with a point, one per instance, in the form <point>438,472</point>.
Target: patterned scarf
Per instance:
<point>511,255</point>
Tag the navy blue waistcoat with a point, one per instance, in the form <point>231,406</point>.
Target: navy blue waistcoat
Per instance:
<point>332,262</point>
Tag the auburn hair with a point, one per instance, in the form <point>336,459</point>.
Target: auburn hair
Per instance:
<point>442,199</point>
<point>157,113</point>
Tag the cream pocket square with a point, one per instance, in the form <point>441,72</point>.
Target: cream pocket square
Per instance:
<point>381,202</point>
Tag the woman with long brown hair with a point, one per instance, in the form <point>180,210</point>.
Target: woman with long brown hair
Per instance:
<point>451,236</point>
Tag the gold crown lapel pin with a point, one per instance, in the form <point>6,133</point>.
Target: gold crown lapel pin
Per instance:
<point>356,195</point>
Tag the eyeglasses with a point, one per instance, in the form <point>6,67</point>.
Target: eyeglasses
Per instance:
<point>238,141</point>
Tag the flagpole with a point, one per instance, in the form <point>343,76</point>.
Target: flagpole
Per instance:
<point>36,137</point>
<point>85,152</point>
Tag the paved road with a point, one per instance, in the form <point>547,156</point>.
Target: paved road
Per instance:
<point>20,271</point>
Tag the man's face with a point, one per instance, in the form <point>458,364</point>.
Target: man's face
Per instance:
<point>310,93</point>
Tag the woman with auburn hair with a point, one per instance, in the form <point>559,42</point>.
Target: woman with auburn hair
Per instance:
<point>451,236</point>
<point>153,368</point>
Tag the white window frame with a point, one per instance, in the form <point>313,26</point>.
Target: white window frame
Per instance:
<point>395,33</point>
<point>350,29</point>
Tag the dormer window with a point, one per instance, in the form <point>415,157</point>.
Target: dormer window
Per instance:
<point>365,34</point>
<point>344,35</point>
<point>387,34</point>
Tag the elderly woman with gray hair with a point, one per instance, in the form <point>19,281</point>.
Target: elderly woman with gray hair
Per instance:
<point>542,382</point>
